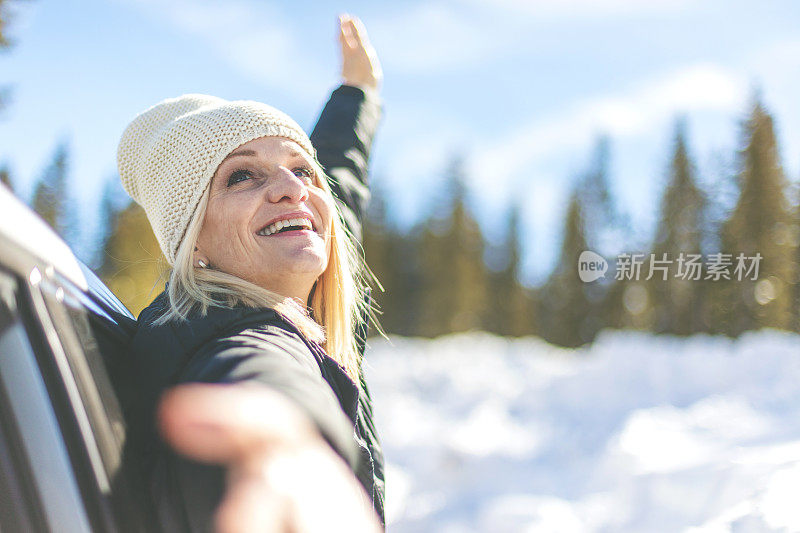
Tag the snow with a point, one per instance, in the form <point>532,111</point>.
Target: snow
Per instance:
<point>637,433</point>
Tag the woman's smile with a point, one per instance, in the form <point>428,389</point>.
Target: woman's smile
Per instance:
<point>288,222</point>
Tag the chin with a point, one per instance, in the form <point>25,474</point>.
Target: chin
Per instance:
<point>308,267</point>
<point>307,261</point>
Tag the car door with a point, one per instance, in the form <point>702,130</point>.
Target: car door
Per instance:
<point>62,431</point>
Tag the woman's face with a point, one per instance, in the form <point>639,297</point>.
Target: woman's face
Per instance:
<point>268,221</point>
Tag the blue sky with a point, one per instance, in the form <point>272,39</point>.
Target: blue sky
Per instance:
<point>520,88</point>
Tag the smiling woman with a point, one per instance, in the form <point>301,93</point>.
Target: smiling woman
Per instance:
<point>257,338</point>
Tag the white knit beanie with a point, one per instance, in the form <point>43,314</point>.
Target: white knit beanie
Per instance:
<point>169,153</point>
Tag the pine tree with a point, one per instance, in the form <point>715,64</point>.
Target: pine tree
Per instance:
<point>606,226</point>
<point>51,196</point>
<point>606,231</point>
<point>408,281</point>
<point>5,42</point>
<point>383,252</point>
<point>112,201</point>
<point>5,177</point>
<point>677,300</point>
<point>375,245</point>
<point>455,279</point>
<point>761,223</point>
<point>130,262</point>
<point>435,309</point>
<point>795,241</point>
<point>513,310</point>
<point>722,193</point>
<point>566,309</point>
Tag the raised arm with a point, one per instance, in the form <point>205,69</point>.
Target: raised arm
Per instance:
<point>345,129</point>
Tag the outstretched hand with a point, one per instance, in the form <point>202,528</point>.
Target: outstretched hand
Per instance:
<point>282,476</point>
<point>360,65</point>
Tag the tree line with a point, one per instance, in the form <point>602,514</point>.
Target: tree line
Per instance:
<point>434,278</point>
<point>689,277</point>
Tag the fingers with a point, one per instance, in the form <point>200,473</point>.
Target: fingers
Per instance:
<point>251,505</point>
<point>360,65</point>
<point>324,494</point>
<point>301,490</point>
<point>346,37</point>
<point>352,32</point>
<point>221,423</point>
<point>359,31</point>
<point>282,476</point>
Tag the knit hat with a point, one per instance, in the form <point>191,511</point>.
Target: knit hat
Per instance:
<point>169,153</point>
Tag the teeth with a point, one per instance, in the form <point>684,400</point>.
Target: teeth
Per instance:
<point>277,226</point>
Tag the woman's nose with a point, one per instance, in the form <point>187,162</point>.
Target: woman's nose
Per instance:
<point>285,185</point>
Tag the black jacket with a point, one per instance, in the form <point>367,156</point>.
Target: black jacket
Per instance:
<point>258,345</point>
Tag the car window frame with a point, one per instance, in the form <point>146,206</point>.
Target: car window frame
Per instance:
<point>84,404</point>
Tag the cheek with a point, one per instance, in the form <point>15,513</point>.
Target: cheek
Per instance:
<point>210,232</point>
<point>219,226</point>
<point>325,209</point>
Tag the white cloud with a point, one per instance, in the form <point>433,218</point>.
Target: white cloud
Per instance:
<point>263,41</point>
<point>254,37</point>
<point>695,88</point>
<point>432,36</point>
<point>20,17</point>
<point>446,34</point>
<point>588,8</point>
<point>779,55</point>
<point>531,163</point>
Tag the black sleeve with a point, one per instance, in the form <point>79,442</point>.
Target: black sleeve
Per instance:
<point>183,493</point>
<point>281,361</point>
<point>343,139</point>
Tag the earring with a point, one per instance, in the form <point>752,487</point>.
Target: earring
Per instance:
<point>202,264</point>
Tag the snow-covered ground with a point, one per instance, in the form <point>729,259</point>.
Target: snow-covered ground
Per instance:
<point>637,433</point>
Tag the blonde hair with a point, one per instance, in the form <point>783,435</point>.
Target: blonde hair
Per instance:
<point>337,304</point>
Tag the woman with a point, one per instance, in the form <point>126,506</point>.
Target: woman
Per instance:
<point>257,339</point>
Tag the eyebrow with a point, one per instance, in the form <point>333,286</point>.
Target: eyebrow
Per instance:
<point>249,153</point>
<point>252,153</point>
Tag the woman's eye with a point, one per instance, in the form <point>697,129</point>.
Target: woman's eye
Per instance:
<point>303,172</point>
<point>238,176</point>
